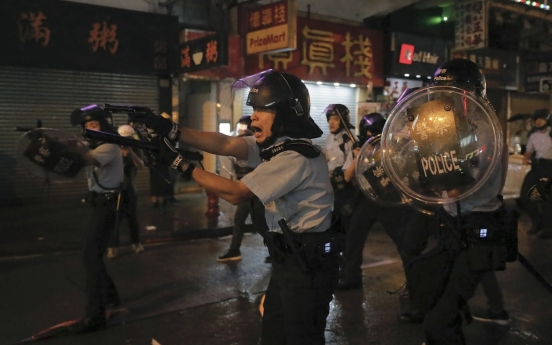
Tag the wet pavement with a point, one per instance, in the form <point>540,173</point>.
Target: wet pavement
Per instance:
<point>176,293</point>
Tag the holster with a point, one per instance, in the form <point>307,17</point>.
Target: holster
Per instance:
<point>96,199</point>
<point>313,248</point>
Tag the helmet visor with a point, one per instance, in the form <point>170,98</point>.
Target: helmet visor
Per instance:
<point>266,89</point>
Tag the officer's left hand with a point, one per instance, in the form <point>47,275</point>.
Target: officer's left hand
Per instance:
<point>160,125</point>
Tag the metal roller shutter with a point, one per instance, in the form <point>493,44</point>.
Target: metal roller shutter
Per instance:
<point>27,95</point>
<point>321,96</point>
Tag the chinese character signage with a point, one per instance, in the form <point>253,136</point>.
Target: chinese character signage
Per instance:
<point>74,36</point>
<point>394,87</point>
<point>270,28</point>
<point>536,68</point>
<point>416,55</point>
<point>203,53</point>
<point>471,24</point>
<point>328,52</point>
<point>499,67</point>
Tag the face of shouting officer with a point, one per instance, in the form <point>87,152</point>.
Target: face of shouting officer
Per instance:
<point>334,121</point>
<point>261,123</point>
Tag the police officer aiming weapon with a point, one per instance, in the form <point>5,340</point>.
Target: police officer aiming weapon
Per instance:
<point>150,141</point>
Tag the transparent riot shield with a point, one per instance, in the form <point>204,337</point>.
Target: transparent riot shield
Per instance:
<point>374,182</point>
<point>52,154</point>
<point>441,144</point>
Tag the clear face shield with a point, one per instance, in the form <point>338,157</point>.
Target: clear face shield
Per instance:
<point>441,144</point>
<point>271,90</point>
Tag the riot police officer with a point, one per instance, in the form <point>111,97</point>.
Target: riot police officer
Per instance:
<point>539,145</point>
<point>338,148</point>
<point>469,231</point>
<point>105,178</point>
<point>292,181</point>
<point>365,212</point>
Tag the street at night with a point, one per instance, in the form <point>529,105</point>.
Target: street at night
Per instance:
<point>176,293</point>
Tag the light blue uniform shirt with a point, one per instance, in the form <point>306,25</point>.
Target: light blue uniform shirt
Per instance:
<point>292,187</point>
<point>540,143</point>
<point>110,172</point>
<point>336,157</point>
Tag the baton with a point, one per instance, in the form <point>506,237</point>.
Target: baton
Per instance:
<point>525,263</point>
<point>119,140</point>
<point>349,134</point>
<point>289,237</point>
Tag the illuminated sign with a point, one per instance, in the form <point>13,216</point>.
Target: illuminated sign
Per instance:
<point>73,36</point>
<point>328,52</point>
<point>270,28</point>
<point>204,53</point>
<point>407,52</point>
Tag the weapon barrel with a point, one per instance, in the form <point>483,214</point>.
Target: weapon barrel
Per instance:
<point>119,140</point>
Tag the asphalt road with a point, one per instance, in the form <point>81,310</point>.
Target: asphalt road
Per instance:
<point>176,293</point>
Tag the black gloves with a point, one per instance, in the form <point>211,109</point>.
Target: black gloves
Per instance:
<point>162,126</point>
<point>169,155</point>
<point>540,191</point>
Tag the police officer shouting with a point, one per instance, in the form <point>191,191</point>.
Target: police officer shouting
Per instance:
<point>292,182</point>
<point>105,177</point>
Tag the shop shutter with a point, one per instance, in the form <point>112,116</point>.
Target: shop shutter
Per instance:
<point>321,96</point>
<point>27,95</point>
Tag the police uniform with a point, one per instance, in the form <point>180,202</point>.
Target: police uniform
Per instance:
<point>99,288</point>
<point>540,143</point>
<point>337,150</point>
<point>365,213</point>
<point>297,189</point>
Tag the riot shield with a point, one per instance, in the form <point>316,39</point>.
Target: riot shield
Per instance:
<point>52,154</point>
<point>441,144</point>
<point>374,182</point>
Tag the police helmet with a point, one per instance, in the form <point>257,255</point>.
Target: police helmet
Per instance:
<point>93,112</point>
<point>372,122</point>
<point>462,73</point>
<point>541,114</point>
<point>288,95</point>
<point>332,109</point>
<point>126,131</point>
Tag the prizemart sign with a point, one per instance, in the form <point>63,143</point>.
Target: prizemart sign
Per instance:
<point>270,28</point>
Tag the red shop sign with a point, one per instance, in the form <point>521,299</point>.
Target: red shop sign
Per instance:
<point>328,52</point>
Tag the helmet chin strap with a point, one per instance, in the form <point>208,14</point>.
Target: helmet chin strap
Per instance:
<point>277,131</point>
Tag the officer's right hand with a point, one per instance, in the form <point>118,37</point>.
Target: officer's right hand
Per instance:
<point>540,191</point>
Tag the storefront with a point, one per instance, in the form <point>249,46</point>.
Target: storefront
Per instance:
<point>57,56</point>
<point>338,63</point>
<point>412,63</point>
